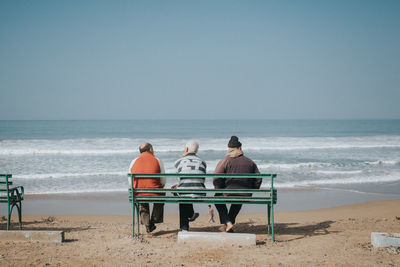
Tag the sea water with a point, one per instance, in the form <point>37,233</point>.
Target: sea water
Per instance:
<point>52,157</point>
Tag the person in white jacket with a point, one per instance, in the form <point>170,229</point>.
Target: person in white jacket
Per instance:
<point>189,163</point>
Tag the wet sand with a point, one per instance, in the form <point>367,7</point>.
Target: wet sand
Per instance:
<point>116,203</point>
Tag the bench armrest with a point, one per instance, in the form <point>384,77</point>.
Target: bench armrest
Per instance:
<point>17,192</point>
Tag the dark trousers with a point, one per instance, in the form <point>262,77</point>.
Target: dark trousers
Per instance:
<point>157,216</point>
<point>225,216</point>
<point>185,212</point>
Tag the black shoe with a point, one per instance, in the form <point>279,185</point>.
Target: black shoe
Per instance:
<point>150,228</point>
<point>230,231</point>
<point>195,216</point>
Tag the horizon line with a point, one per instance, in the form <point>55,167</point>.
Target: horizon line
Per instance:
<point>199,119</point>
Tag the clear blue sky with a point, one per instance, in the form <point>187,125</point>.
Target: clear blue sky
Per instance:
<point>199,59</point>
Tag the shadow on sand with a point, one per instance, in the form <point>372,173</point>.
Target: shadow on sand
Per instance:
<point>294,230</point>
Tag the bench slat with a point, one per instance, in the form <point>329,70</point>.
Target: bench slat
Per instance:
<point>226,198</point>
<point>209,201</point>
<point>5,198</point>
<point>223,175</point>
<point>203,199</point>
<point>158,190</point>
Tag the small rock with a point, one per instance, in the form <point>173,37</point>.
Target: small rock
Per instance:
<point>393,250</point>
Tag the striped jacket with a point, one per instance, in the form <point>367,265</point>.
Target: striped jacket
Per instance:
<point>191,164</point>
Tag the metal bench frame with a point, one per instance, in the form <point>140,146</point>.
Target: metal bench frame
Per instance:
<point>13,196</point>
<point>264,196</point>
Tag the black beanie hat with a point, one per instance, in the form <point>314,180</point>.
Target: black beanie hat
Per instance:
<point>234,142</point>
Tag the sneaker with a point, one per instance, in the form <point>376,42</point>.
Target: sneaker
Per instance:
<point>195,216</point>
<point>150,228</point>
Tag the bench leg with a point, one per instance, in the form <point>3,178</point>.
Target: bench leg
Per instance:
<point>272,222</point>
<point>19,207</point>
<point>135,216</point>
<point>133,219</point>
<point>9,217</point>
<point>137,219</point>
<point>269,219</point>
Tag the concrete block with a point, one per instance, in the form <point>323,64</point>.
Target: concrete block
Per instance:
<point>385,239</point>
<point>41,236</point>
<point>206,238</point>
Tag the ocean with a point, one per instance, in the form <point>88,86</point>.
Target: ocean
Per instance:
<point>62,157</point>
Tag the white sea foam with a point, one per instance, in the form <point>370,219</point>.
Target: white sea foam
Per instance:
<point>349,190</point>
<point>111,146</point>
<point>78,191</point>
<point>383,162</point>
<point>38,176</point>
<point>351,180</point>
<point>316,165</point>
<point>338,172</point>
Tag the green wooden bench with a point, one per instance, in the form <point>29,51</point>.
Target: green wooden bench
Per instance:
<point>260,196</point>
<point>13,196</point>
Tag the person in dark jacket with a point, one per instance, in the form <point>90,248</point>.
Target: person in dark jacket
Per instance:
<point>234,162</point>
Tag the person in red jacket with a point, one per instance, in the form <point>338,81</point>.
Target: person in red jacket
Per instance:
<point>234,162</point>
<point>148,163</point>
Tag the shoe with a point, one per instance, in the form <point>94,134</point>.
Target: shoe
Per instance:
<point>222,228</point>
<point>150,228</point>
<point>195,216</point>
<point>229,227</point>
<point>230,231</point>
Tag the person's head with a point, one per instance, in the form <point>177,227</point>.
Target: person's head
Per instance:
<point>234,142</point>
<point>146,147</point>
<point>209,206</point>
<point>191,147</point>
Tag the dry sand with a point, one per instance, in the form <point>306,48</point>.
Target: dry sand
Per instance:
<point>337,236</point>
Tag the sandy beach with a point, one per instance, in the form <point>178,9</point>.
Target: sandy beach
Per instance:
<point>337,236</point>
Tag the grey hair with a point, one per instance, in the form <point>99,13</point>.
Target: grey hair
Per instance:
<point>192,146</point>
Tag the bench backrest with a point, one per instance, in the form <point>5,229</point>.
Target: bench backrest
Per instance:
<point>5,182</point>
<point>208,175</point>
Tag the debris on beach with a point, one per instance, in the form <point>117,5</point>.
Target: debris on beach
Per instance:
<point>49,219</point>
<point>393,250</point>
